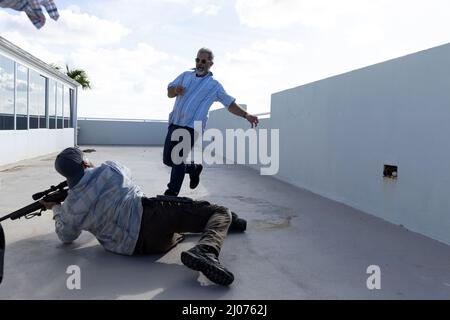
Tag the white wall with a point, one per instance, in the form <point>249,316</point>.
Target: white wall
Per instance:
<point>121,132</point>
<point>222,119</point>
<point>24,144</point>
<point>336,135</point>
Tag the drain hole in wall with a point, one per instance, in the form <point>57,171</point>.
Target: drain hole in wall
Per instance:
<point>390,171</point>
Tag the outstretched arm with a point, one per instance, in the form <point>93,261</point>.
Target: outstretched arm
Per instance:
<point>237,110</point>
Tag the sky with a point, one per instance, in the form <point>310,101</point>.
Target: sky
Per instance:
<point>132,49</point>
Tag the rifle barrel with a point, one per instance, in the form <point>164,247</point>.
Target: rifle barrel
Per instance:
<point>57,196</point>
<point>23,211</point>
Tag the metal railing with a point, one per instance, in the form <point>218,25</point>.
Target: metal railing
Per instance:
<point>264,115</point>
<point>119,119</point>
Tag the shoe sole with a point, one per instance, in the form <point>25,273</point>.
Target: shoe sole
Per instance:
<point>199,264</point>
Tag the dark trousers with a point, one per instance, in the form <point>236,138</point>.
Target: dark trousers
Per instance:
<point>163,221</point>
<point>2,252</point>
<point>178,170</point>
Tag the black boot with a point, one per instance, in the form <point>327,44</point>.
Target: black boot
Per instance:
<point>169,192</point>
<point>205,259</point>
<point>237,224</point>
<point>195,176</point>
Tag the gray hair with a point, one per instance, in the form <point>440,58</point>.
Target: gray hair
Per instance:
<point>208,51</point>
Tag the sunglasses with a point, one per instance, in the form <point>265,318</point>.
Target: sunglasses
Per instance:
<point>204,61</point>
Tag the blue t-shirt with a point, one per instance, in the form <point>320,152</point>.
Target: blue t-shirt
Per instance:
<point>200,93</point>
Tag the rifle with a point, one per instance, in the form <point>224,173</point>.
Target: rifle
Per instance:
<point>53,194</point>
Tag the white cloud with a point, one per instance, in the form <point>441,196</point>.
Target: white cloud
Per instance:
<point>73,28</point>
<point>35,48</point>
<point>344,15</point>
<point>141,46</point>
<point>116,65</point>
<point>330,37</point>
<point>252,73</point>
<point>126,82</point>
<point>183,2</point>
<point>208,9</point>
<point>287,13</point>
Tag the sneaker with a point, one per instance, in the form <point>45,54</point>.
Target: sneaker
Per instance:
<point>199,259</point>
<point>195,177</point>
<point>169,192</point>
<point>237,224</point>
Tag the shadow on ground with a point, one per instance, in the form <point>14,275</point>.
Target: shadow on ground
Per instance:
<point>31,262</point>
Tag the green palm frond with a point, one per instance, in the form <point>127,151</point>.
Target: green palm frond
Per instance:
<point>79,75</point>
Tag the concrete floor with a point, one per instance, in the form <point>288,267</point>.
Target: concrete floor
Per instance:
<point>298,245</point>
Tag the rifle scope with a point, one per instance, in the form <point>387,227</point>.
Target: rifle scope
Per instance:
<point>42,194</point>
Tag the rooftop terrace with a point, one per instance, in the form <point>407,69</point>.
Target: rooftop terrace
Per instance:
<point>297,246</point>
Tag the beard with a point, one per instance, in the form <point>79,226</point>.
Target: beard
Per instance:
<point>201,71</point>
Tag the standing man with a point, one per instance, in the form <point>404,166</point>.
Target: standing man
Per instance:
<point>195,91</point>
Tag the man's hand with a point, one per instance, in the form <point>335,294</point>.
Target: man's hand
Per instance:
<point>234,108</point>
<point>87,163</point>
<point>180,90</point>
<point>252,119</point>
<point>48,205</point>
<point>172,92</point>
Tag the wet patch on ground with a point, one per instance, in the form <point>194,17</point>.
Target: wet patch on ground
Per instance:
<point>269,224</point>
<point>264,206</point>
<point>271,216</point>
